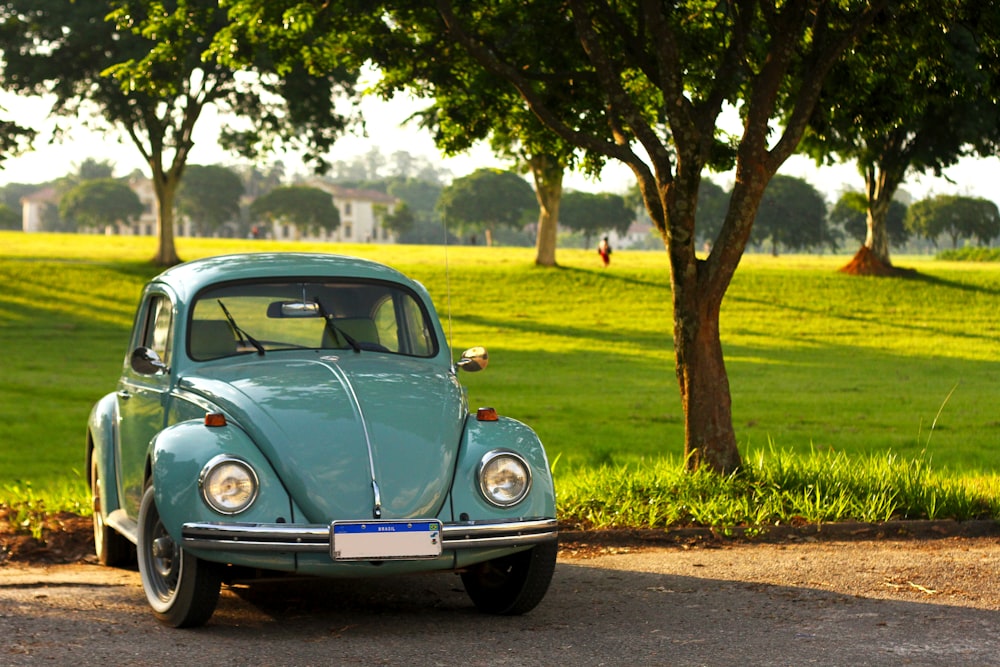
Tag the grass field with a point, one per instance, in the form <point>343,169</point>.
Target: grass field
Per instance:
<point>818,361</point>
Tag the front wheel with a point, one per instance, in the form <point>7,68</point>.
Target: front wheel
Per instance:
<point>514,584</point>
<point>182,589</point>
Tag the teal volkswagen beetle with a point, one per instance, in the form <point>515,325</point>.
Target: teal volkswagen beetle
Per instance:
<point>301,413</point>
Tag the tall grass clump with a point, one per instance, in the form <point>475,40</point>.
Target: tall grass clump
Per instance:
<point>773,488</point>
<point>27,509</point>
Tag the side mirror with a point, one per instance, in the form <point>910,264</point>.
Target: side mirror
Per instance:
<point>474,359</point>
<point>147,362</point>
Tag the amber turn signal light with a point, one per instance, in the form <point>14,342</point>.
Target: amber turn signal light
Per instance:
<point>486,415</point>
<point>215,419</point>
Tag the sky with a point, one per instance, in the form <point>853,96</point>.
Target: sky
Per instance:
<point>388,132</point>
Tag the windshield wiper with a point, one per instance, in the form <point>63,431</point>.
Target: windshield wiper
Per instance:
<point>335,330</point>
<point>242,335</point>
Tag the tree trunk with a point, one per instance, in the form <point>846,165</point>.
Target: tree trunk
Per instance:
<point>166,251</point>
<point>710,439</point>
<point>698,289</point>
<point>873,259</point>
<point>548,175</point>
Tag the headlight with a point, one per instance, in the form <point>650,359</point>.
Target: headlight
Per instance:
<point>228,485</point>
<point>504,478</point>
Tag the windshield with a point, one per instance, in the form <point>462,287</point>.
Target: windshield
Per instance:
<point>261,317</point>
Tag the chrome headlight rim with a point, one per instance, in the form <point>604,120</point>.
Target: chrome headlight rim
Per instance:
<point>212,466</point>
<point>488,459</point>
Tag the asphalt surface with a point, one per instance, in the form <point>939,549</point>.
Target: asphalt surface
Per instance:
<point>806,602</point>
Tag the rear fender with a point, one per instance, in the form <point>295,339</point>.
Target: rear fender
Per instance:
<point>101,437</point>
<point>180,453</point>
<point>481,437</point>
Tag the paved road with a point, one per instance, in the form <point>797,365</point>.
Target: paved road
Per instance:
<point>931,602</point>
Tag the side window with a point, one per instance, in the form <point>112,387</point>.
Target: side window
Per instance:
<point>156,335</point>
<point>402,327</point>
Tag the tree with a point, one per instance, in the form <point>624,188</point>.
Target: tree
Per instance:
<point>644,84</point>
<point>92,168</point>
<point>100,202</point>
<point>310,210</point>
<point>957,217</point>
<point>592,214</point>
<point>850,213</point>
<point>792,215</point>
<point>420,198</point>
<point>144,72</point>
<point>210,197</point>
<point>471,104</point>
<point>14,139</point>
<point>9,219</point>
<point>917,93</point>
<point>484,200</point>
<point>400,221</point>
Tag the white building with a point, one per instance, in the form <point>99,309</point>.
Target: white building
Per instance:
<point>33,211</point>
<point>361,215</point>
<point>33,208</point>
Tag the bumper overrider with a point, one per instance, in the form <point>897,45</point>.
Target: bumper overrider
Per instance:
<point>281,537</point>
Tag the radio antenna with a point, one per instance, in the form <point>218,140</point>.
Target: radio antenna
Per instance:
<point>447,283</point>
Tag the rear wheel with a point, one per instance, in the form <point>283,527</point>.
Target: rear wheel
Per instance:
<point>182,589</point>
<point>512,584</point>
<point>111,547</point>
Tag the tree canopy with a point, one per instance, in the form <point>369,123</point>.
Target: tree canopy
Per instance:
<point>14,139</point>
<point>914,95</point>
<point>792,216</point>
<point>644,84</point>
<point>209,197</point>
<point>955,217</point>
<point>99,202</point>
<point>593,214</point>
<point>308,209</point>
<point>484,200</point>
<point>141,65</point>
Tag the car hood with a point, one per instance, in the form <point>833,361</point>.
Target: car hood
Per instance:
<point>327,424</point>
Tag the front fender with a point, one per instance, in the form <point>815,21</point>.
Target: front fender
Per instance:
<point>179,455</point>
<point>100,448</point>
<point>481,437</point>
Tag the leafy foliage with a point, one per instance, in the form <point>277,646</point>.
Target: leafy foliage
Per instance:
<point>484,200</point>
<point>99,202</point>
<point>956,217</point>
<point>210,197</point>
<point>792,215</point>
<point>308,209</point>
<point>14,139</point>
<point>593,214</point>
<point>916,93</point>
<point>644,84</point>
<point>140,64</point>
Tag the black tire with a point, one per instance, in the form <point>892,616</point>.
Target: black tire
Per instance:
<point>182,589</point>
<point>110,546</point>
<point>513,584</point>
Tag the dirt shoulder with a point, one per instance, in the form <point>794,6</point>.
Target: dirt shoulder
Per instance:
<point>68,538</point>
<point>852,595</point>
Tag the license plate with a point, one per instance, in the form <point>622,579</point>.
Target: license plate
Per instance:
<point>385,540</point>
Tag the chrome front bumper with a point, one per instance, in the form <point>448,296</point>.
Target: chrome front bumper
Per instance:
<point>283,537</point>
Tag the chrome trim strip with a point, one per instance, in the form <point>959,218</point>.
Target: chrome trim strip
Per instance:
<point>283,537</point>
<point>345,381</point>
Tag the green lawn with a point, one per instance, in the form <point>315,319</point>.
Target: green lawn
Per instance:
<point>818,361</point>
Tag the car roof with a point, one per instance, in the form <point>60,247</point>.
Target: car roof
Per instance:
<point>189,278</point>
